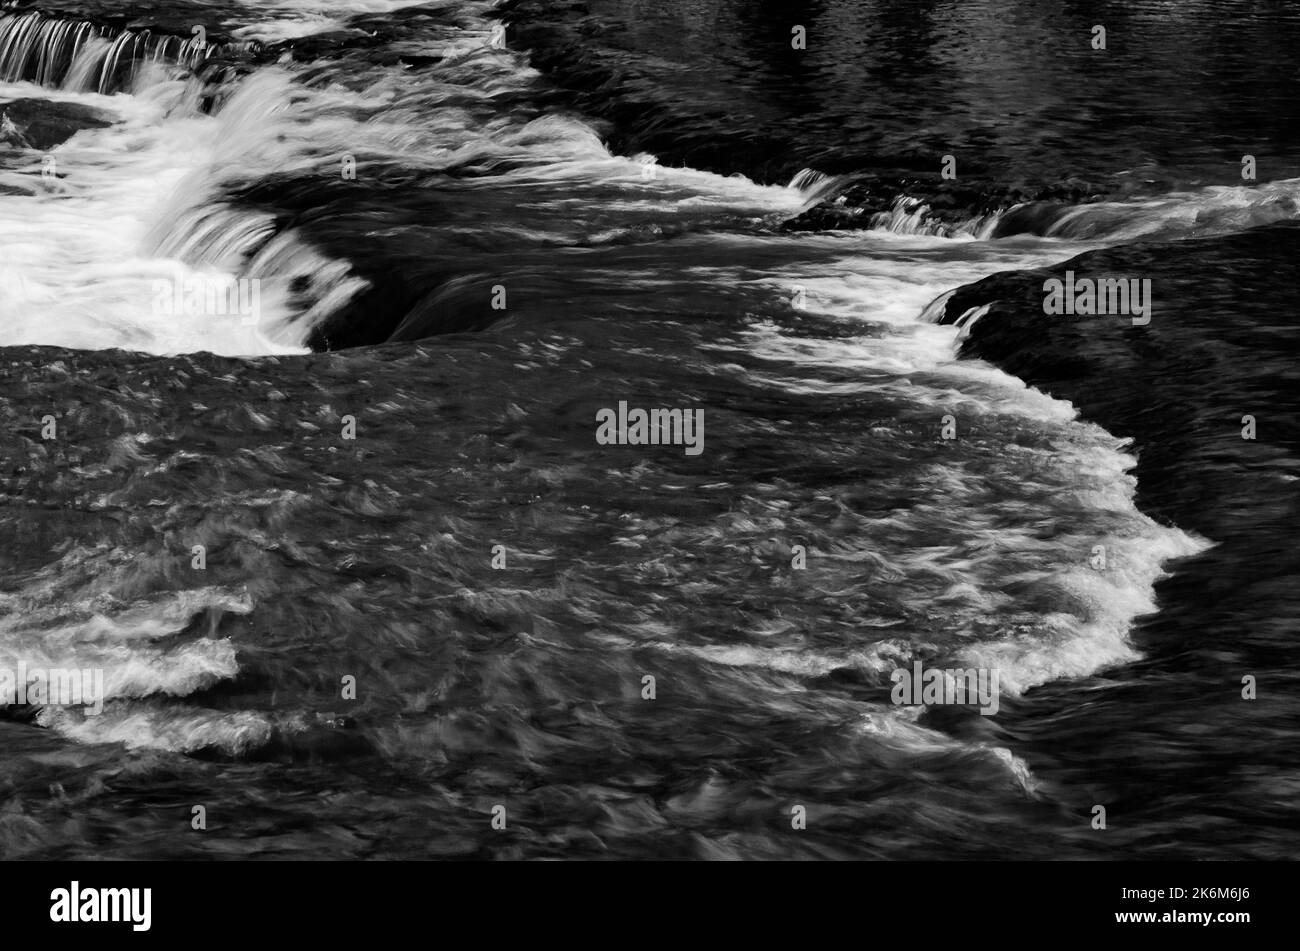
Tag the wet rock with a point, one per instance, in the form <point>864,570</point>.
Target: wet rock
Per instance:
<point>828,216</point>
<point>41,124</point>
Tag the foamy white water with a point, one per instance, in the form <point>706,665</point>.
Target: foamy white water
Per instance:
<point>74,269</point>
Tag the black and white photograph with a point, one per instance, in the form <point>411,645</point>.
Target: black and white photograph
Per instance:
<point>643,431</point>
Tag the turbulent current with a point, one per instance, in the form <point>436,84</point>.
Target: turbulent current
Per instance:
<point>357,570</point>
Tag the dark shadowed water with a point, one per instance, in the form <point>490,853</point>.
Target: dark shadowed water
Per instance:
<point>357,570</point>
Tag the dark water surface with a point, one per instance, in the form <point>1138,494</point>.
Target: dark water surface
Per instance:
<point>818,336</point>
<point>1013,89</point>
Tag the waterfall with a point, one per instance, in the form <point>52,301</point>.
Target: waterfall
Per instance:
<point>81,56</point>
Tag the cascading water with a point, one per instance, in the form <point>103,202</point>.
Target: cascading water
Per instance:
<point>80,56</point>
<point>385,470</point>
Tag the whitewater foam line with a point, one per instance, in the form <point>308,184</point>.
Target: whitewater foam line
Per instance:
<point>897,728</point>
<point>82,56</point>
<point>893,726</point>
<point>156,725</point>
<point>1214,209</point>
<point>45,626</point>
<point>1093,633</point>
<point>286,20</point>
<point>133,670</point>
<point>68,618</point>
<point>892,285</point>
